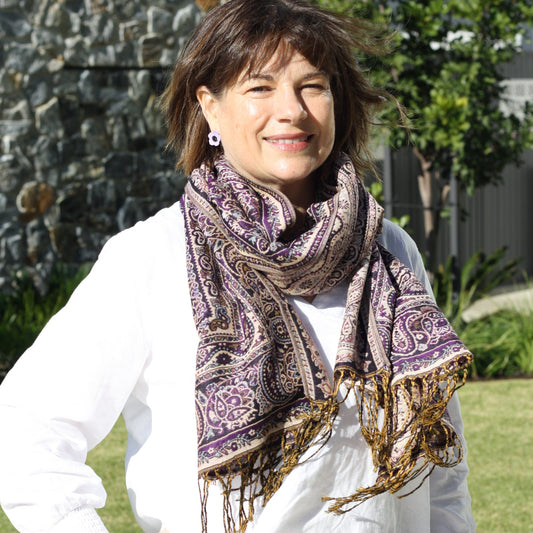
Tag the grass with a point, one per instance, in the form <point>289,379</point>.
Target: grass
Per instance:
<point>499,429</point>
<point>107,459</point>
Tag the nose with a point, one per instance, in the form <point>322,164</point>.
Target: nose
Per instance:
<point>290,106</point>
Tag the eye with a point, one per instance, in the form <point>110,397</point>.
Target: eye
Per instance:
<point>259,89</point>
<point>316,86</point>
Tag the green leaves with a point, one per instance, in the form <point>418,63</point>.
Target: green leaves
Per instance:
<point>445,71</point>
<point>480,275</point>
<point>502,344</point>
<point>25,312</point>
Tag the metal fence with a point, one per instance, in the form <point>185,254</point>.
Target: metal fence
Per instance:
<point>495,216</point>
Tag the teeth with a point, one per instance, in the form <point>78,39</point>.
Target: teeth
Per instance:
<point>289,141</point>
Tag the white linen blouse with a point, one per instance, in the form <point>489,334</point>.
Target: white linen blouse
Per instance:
<point>126,343</point>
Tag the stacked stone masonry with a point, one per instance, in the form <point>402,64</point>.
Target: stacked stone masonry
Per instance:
<point>82,140</point>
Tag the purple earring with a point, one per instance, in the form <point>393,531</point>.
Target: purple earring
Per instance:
<point>214,138</point>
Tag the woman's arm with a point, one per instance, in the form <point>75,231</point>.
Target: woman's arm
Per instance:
<point>451,508</point>
<point>65,394</point>
<point>400,244</point>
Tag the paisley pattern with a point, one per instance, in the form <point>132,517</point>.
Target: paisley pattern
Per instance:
<point>259,374</point>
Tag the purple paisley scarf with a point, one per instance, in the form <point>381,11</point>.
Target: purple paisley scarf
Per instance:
<point>263,396</point>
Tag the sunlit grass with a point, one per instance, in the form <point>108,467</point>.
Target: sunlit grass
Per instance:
<point>107,459</point>
<point>498,419</point>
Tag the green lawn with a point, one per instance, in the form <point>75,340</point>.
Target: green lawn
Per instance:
<point>499,428</point>
<point>498,417</point>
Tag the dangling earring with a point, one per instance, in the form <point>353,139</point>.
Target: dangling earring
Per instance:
<point>214,138</point>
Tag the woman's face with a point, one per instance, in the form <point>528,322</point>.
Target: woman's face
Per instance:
<point>277,126</point>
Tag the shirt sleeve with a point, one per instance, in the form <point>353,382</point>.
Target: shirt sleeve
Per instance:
<point>451,505</point>
<point>83,519</point>
<point>450,501</point>
<point>65,394</point>
<point>400,244</point>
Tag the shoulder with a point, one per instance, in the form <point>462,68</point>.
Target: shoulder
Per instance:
<point>140,255</point>
<point>140,270</point>
<point>400,244</point>
<point>161,234</point>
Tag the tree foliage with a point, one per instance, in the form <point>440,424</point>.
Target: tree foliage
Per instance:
<point>445,68</point>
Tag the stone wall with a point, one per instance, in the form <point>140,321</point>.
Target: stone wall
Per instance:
<point>82,138</point>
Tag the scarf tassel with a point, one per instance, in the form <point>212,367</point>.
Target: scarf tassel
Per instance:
<point>262,472</point>
<point>424,437</point>
<point>422,441</point>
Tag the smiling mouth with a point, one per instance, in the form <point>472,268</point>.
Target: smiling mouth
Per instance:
<point>289,140</point>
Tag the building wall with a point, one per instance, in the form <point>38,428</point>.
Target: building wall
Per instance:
<point>500,215</point>
<point>81,136</point>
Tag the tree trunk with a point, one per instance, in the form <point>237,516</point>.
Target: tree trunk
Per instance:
<point>433,195</point>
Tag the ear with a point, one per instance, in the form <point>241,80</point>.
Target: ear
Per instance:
<point>209,105</point>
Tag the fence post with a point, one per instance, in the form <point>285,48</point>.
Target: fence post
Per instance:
<point>454,236</point>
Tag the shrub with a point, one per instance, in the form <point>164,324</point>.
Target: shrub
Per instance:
<point>480,275</point>
<point>24,312</point>
<point>502,344</point>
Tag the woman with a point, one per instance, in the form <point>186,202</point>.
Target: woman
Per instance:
<point>214,326</point>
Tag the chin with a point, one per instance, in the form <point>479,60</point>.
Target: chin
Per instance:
<point>295,174</point>
<point>291,179</point>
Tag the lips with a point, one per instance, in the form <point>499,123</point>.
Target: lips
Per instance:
<point>289,142</point>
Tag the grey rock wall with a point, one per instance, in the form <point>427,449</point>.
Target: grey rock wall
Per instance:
<point>81,136</point>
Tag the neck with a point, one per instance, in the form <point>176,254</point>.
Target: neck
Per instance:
<point>301,195</point>
<point>299,225</point>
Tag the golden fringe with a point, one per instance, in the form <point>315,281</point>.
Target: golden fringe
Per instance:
<point>410,437</point>
<point>262,472</point>
<point>413,436</point>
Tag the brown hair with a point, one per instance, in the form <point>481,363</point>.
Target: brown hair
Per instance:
<point>244,35</point>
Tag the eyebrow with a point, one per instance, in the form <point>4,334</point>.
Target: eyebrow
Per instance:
<point>269,77</point>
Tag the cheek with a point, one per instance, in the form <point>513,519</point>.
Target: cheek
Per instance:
<point>248,113</point>
<point>332,131</point>
<point>328,125</point>
<point>243,122</point>
<point>252,117</point>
